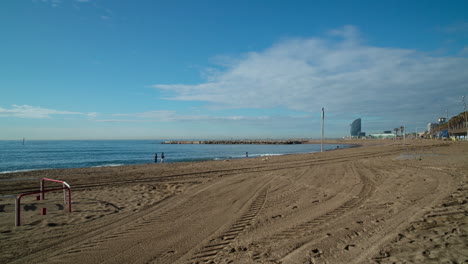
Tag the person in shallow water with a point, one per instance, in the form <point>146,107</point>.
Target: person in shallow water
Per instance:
<point>162,157</point>
<point>246,154</point>
<point>155,157</point>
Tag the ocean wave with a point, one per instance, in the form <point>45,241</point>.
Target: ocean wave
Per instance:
<point>16,171</point>
<point>269,155</point>
<point>108,165</point>
<point>265,155</point>
<point>223,158</point>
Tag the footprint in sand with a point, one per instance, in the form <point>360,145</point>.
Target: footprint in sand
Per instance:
<point>348,247</point>
<point>31,207</point>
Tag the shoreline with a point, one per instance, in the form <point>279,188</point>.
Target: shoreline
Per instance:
<point>214,158</point>
<point>352,143</point>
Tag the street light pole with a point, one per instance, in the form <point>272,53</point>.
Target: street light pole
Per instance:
<point>466,120</point>
<point>448,124</point>
<point>323,122</point>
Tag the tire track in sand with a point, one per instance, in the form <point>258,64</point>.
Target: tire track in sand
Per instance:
<point>214,246</point>
<point>355,241</point>
<point>140,240</point>
<point>120,232</point>
<point>307,228</point>
<point>120,235</point>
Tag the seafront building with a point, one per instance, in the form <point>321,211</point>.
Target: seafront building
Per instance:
<point>356,129</point>
<point>455,128</point>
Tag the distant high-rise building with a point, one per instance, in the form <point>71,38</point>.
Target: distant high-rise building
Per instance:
<point>356,128</point>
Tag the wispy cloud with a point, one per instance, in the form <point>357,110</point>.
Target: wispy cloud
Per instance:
<point>92,115</point>
<point>460,27</point>
<point>119,121</point>
<point>108,14</point>
<point>338,71</point>
<point>53,3</point>
<point>464,51</point>
<point>169,116</point>
<point>27,111</point>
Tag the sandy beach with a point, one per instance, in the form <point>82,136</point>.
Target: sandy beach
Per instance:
<point>382,202</point>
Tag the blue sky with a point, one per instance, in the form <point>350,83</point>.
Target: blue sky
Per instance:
<point>110,69</point>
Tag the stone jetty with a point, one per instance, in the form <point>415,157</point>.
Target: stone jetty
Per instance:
<point>235,142</point>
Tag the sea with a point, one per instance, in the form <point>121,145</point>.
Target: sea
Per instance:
<point>16,156</point>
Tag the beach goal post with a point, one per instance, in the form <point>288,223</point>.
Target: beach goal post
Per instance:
<point>65,187</point>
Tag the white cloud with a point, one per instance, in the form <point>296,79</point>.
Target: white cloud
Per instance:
<point>169,116</point>
<point>92,115</point>
<point>53,3</point>
<point>27,111</point>
<point>337,71</point>
<point>460,27</point>
<point>464,51</point>
<point>118,121</point>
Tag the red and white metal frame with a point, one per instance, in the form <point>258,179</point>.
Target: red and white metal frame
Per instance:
<point>65,187</point>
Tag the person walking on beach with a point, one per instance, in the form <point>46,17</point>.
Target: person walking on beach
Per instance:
<point>155,157</point>
<point>162,157</point>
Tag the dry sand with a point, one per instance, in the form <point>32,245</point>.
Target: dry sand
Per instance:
<point>384,202</point>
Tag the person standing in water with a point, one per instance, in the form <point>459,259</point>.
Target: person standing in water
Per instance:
<point>162,157</point>
<point>246,154</point>
<point>155,157</point>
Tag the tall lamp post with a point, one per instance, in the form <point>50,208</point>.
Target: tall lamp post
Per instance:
<point>448,124</point>
<point>466,120</point>
<point>323,121</point>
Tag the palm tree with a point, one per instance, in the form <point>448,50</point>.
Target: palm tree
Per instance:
<point>396,129</point>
